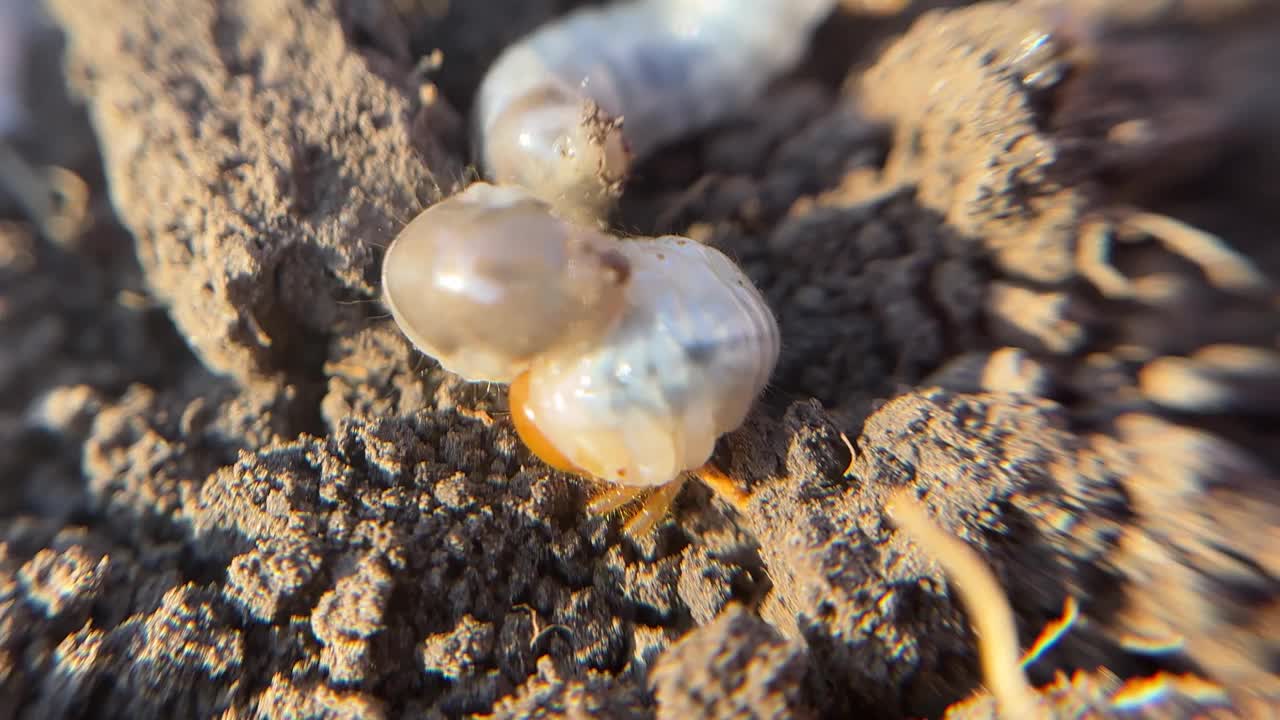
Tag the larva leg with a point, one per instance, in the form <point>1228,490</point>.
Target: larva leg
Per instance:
<point>653,509</point>
<point>614,497</point>
<point>657,501</point>
<point>723,485</point>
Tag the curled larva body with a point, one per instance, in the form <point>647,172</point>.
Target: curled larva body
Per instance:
<point>695,345</point>
<point>665,67</point>
<point>627,358</point>
<point>489,278</point>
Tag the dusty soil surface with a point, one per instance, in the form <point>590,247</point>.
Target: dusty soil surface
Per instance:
<point>232,488</point>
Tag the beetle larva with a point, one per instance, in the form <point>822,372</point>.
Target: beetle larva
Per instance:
<point>627,358</point>
<point>547,112</point>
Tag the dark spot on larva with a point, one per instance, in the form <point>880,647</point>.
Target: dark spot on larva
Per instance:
<point>700,353</point>
<point>616,263</point>
<point>622,472</point>
<point>662,256</point>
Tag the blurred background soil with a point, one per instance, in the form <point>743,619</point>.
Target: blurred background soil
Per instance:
<point>230,487</point>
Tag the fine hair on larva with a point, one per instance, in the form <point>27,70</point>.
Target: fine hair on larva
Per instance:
<point>563,111</point>
<point>626,360</point>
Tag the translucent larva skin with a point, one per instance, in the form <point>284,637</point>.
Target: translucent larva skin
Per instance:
<point>666,67</point>
<point>489,278</point>
<point>695,347</point>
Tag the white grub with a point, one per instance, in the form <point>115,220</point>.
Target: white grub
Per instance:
<point>628,358</point>
<point>549,110</point>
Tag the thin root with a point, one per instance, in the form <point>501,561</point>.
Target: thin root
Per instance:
<point>985,601</point>
<point>1052,632</point>
<point>1225,268</point>
<point>1094,264</point>
<point>539,632</point>
<point>54,198</point>
<point>853,455</point>
<point>1139,692</point>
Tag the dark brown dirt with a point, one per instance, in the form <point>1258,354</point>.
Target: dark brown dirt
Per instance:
<point>232,487</point>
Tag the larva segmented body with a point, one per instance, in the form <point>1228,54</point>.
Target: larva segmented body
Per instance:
<point>665,67</point>
<point>627,358</point>
<point>695,345</point>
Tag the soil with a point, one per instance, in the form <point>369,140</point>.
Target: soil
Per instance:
<point>232,488</point>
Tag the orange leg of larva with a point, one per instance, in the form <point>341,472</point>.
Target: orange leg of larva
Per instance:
<point>653,504</point>
<point>614,497</point>
<point>653,509</point>
<point>723,485</point>
<point>657,501</point>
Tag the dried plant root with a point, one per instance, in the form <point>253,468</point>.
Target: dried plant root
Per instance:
<point>985,601</point>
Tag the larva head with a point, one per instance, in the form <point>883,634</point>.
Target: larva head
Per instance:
<point>487,279</point>
<point>563,147</point>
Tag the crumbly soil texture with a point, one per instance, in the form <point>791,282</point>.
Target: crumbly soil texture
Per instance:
<point>1023,256</point>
